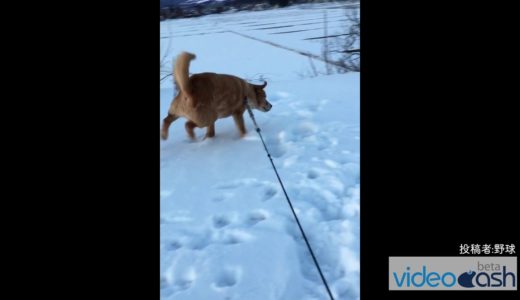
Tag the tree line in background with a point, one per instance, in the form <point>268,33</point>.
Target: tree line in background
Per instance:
<point>216,7</point>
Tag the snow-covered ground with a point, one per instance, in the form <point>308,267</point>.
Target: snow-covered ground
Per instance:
<point>226,229</point>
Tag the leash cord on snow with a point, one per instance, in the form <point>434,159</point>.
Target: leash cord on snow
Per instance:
<point>289,201</point>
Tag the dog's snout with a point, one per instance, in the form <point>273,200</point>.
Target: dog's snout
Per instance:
<point>268,106</point>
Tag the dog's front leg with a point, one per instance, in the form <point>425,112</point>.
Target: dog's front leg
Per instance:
<point>211,131</point>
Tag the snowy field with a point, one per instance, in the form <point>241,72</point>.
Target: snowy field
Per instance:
<point>226,229</point>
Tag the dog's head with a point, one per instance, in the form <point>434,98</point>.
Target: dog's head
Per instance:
<point>259,100</point>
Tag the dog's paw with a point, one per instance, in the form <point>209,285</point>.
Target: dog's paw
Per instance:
<point>207,138</point>
<point>164,135</point>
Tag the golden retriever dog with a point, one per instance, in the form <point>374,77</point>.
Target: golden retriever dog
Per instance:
<point>205,97</point>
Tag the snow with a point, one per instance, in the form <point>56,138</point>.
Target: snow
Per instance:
<point>226,229</point>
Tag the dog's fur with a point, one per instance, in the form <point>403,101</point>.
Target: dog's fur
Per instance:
<point>205,97</point>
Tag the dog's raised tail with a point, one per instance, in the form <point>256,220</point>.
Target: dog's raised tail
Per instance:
<point>181,72</point>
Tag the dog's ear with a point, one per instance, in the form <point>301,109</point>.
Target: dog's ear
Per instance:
<point>260,86</point>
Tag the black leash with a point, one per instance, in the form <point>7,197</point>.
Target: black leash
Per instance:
<point>289,201</point>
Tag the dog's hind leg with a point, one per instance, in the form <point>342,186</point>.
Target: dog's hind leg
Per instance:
<point>190,125</point>
<point>166,125</point>
<point>239,122</point>
<point>211,131</point>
